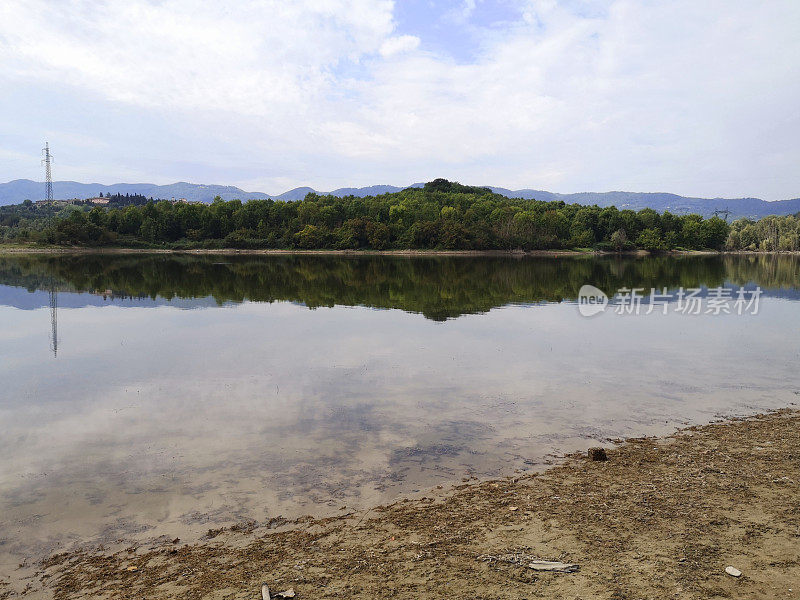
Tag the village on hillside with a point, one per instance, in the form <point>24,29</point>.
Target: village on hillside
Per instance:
<point>109,199</point>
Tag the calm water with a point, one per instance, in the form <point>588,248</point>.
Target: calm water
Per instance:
<point>184,393</point>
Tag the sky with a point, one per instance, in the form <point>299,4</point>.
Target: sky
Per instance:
<point>695,98</point>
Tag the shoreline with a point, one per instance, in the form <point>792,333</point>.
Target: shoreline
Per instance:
<point>661,518</point>
<point>7,250</point>
<point>280,252</point>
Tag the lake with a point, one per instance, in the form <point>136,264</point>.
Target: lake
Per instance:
<point>150,395</point>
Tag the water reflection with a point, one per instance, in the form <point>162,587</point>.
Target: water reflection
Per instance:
<point>437,287</point>
<point>53,296</point>
<point>160,420</point>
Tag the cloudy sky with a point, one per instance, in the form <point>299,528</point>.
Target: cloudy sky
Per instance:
<point>687,96</point>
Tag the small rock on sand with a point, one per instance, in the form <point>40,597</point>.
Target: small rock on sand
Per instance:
<point>733,571</point>
<point>597,454</point>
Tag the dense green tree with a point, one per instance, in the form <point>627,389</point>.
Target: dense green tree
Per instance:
<point>768,234</point>
<point>651,239</point>
<point>714,232</point>
<point>619,240</point>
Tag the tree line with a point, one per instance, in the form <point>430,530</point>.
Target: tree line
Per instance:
<point>440,215</point>
<point>768,234</point>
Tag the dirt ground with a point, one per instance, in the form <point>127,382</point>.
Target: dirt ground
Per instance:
<point>662,518</point>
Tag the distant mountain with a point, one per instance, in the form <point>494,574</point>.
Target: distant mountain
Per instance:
<point>16,191</point>
<point>680,205</point>
<point>373,190</point>
<point>295,194</point>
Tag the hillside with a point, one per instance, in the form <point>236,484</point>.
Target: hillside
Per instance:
<point>440,215</point>
<point>18,190</point>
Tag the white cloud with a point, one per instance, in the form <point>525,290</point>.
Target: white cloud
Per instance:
<point>695,98</point>
<point>675,97</point>
<point>461,13</point>
<point>245,57</point>
<point>399,44</point>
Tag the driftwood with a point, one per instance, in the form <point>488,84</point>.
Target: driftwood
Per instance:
<point>284,594</point>
<point>554,566</point>
<point>520,558</point>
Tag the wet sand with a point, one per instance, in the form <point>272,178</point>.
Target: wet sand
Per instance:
<point>662,518</point>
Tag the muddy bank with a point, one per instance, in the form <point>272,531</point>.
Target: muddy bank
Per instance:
<point>662,518</point>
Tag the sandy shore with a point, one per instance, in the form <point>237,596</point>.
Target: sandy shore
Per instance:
<point>662,518</point>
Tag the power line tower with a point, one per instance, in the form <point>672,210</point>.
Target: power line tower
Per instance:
<point>54,320</point>
<point>48,180</point>
<point>725,212</point>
